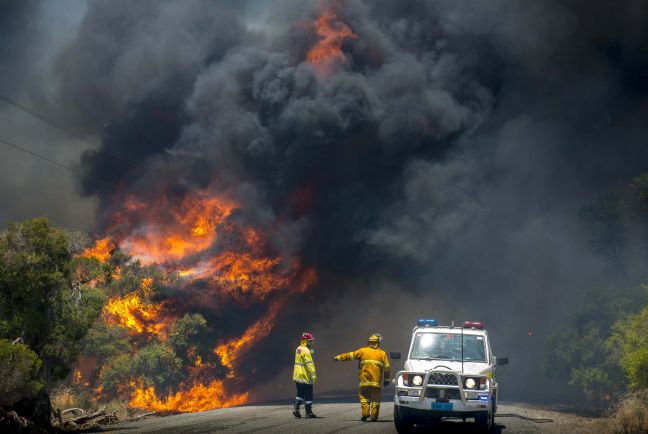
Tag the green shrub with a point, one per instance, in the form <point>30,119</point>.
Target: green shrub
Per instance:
<point>18,372</point>
<point>116,374</point>
<point>630,341</point>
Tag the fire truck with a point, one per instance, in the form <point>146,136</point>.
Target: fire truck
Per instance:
<point>450,372</point>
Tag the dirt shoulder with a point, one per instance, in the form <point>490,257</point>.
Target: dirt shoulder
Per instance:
<point>528,418</point>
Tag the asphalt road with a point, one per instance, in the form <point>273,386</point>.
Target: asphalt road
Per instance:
<point>345,417</point>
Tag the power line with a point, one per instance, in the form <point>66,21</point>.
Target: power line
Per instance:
<point>48,120</point>
<point>59,126</point>
<point>34,154</point>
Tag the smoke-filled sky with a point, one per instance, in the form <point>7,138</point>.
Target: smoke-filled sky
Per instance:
<point>437,170</point>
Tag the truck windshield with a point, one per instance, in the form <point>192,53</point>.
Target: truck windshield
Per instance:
<point>447,346</point>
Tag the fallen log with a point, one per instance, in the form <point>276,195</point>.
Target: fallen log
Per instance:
<point>85,418</point>
<point>142,416</point>
<point>73,410</point>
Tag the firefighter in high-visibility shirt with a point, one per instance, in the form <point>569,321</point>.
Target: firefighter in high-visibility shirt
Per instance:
<point>304,375</point>
<point>374,367</point>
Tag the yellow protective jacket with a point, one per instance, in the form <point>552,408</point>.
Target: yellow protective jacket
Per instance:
<point>304,371</point>
<point>373,364</point>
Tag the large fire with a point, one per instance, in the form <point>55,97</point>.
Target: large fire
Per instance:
<point>332,32</point>
<point>195,238</point>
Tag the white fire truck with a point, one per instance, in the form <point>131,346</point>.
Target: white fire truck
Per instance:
<point>450,372</point>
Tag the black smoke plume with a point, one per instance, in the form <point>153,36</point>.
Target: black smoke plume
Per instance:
<point>438,171</point>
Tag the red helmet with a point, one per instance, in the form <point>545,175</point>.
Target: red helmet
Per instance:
<point>307,336</point>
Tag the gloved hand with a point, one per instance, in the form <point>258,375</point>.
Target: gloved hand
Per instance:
<point>385,383</point>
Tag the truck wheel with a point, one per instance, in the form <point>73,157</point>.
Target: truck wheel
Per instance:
<point>403,419</point>
<point>486,421</point>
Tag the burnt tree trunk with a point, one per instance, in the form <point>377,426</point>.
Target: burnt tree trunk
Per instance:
<point>37,409</point>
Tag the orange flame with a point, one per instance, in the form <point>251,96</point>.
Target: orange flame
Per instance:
<point>327,53</point>
<point>198,398</point>
<point>146,286</point>
<point>131,312</point>
<point>100,251</point>
<point>116,275</point>
<point>245,276</point>
<point>179,232</point>
<point>231,350</point>
<point>76,377</point>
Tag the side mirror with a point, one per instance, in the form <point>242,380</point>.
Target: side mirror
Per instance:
<point>501,361</point>
<point>395,355</point>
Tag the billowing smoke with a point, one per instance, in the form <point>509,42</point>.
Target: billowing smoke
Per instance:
<point>431,163</point>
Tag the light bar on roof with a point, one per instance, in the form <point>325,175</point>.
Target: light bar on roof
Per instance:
<point>427,323</point>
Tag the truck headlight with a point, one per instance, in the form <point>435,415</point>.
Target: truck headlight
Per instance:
<point>470,383</point>
<point>417,380</point>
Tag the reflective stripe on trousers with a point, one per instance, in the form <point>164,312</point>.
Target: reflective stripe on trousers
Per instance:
<point>369,384</point>
<point>370,401</point>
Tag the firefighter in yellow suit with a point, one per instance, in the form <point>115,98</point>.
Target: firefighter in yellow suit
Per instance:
<point>374,366</point>
<point>304,375</point>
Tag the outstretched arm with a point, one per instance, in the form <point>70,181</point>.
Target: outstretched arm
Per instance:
<point>353,355</point>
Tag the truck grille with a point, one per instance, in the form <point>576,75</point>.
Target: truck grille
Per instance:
<point>442,393</point>
<point>443,379</point>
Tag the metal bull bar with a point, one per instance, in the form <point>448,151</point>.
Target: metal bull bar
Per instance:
<point>426,380</point>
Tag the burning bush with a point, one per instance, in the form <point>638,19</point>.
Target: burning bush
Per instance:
<point>145,350</point>
<point>179,270</point>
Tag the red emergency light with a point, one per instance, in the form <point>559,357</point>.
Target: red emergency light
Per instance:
<point>473,325</point>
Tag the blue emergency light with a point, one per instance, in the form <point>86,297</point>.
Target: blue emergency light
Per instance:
<point>427,323</point>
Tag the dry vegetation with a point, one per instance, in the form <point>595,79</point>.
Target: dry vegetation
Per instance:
<point>77,410</point>
<point>630,416</point>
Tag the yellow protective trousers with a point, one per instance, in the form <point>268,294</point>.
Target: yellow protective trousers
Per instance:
<point>370,401</point>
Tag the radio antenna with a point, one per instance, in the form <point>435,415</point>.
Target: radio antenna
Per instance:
<point>462,350</point>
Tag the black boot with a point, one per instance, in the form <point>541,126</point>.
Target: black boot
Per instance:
<point>309,410</point>
<point>296,412</point>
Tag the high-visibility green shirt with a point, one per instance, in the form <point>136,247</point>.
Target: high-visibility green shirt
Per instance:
<point>304,371</point>
<point>373,364</point>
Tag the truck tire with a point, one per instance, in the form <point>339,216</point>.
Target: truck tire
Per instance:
<point>486,422</point>
<point>403,419</point>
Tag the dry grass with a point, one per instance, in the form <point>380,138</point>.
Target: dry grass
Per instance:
<point>64,398</point>
<point>630,416</point>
